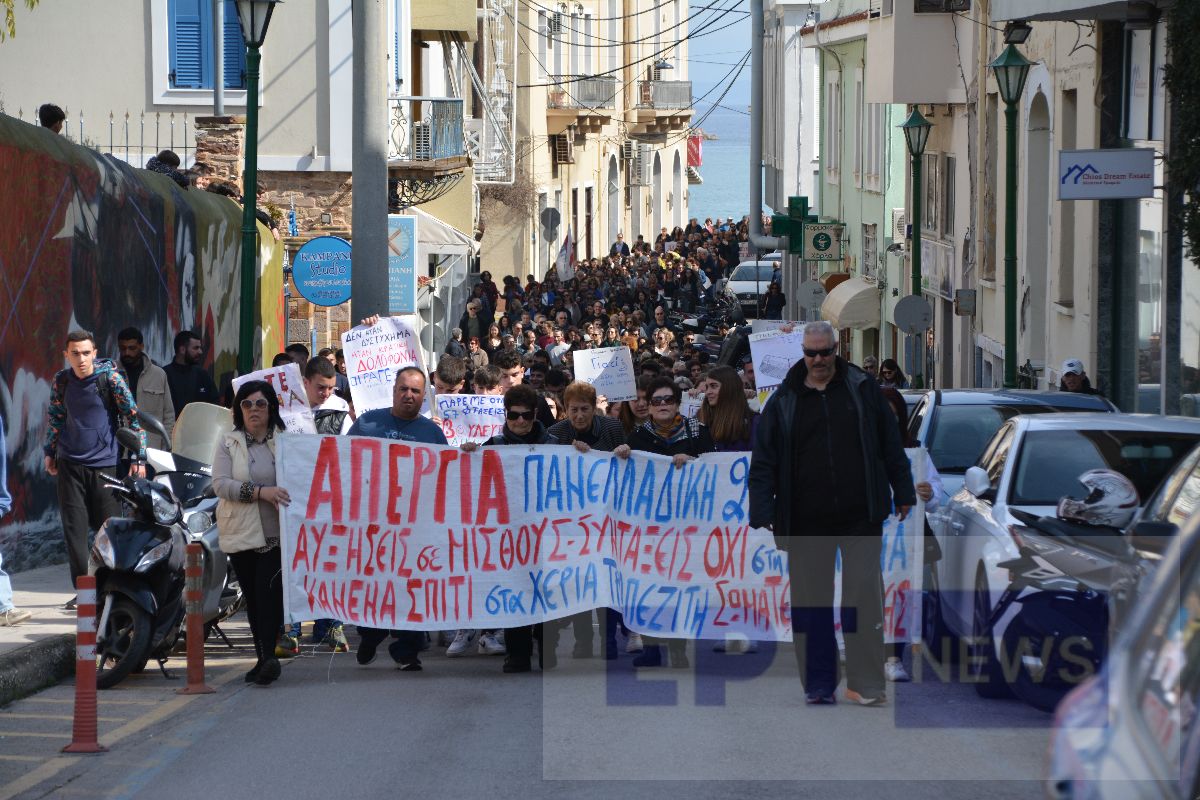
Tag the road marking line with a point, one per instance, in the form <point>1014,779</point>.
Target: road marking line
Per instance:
<point>4,734</point>
<point>68,717</point>
<point>21,758</point>
<point>52,767</point>
<point>102,700</point>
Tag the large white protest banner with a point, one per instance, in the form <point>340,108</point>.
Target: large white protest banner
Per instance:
<point>373,354</point>
<point>609,370</point>
<point>289,388</point>
<point>773,354</point>
<point>470,417</point>
<point>399,535</point>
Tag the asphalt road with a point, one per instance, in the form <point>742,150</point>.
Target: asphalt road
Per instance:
<point>732,725</point>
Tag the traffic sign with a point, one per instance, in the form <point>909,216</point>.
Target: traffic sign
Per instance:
<point>823,241</point>
<point>913,314</point>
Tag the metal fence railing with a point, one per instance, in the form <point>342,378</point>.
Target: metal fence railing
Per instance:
<point>665,94</point>
<point>425,128</point>
<point>132,137</point>
<point>592,92</point>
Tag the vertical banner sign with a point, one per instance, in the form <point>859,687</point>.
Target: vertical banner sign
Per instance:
<point>773,354</point>
<point>609,370</point>
<point>695,151</point>
<point>470,417</point>
<point>399,535</point>
<point>289,388</point>
<point>321,271</point>
<point>372,357</point>
<point>402,264</point>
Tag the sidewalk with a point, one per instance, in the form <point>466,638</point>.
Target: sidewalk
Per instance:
<point>40,651</point>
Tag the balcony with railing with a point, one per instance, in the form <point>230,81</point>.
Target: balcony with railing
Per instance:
<point>587,102</point>
<point>663,106</point>
<point>425,135</point>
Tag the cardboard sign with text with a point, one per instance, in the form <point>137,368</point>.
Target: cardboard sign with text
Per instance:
<point>373,354</point>
<point>289,388</point>
<point>609,370</point>
<point>470,417</point>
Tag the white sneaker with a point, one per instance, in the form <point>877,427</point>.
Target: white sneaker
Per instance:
<point>489,645</point>
<point>463,640</point>
<point>895,672</point>
<point>14,616</point>
<point>634,643</point>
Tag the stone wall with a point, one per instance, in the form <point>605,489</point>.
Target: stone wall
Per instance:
<point>220,143</point>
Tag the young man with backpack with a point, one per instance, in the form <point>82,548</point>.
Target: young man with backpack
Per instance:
<point>89,403</point>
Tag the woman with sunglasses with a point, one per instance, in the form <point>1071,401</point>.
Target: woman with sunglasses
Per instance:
<point>667,434</point>
<point>248,503</point>
<point>521,427</point>
<point>890,376</point>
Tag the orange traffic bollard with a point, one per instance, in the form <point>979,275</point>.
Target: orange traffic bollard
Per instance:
<point>83,735</point>
<point>193,597</point>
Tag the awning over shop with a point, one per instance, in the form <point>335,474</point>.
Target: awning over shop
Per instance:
<point>435,236</point>
<point>854,303</point>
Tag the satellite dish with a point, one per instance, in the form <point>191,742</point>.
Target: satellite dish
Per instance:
<point>810,295</point>
<point>913,314</point>
<point>439,308</point>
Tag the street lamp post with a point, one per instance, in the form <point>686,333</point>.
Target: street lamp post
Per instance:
<point>1011,69</point>
<point>254,16</point>
<point>916,136</point>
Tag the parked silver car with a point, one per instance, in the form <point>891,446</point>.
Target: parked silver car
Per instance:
<point>1030,464</point>
<point>1130,732</point>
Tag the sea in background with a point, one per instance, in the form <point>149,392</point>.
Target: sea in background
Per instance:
<point>726,164</point>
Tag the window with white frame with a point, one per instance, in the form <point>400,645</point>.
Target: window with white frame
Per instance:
<point>182,61</point>
<point>860,113</point>
<point>611,48</point>
<point>930,193</point>
<point>833,116</point>
<point>586,47</point>
<point>873,144</point>
<point>870,250</point>
<point>543,34</point>
<point>947,197</point>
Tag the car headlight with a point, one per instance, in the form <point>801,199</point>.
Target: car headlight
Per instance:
<point>153,556</point>
<point>166,510</point>
<point>102,548</point>
<point>198,522</point>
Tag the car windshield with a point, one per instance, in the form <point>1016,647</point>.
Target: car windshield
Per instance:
<point>745,272</point>
<point>959,433</point>
<point>1052,461</point>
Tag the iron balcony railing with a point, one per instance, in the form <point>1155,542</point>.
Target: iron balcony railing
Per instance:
<point>573,92</point>
<point>425,128</point>
<point>665,94</point>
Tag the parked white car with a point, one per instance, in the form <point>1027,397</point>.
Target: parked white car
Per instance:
<point>748,283</point>
<point>1030,464</point>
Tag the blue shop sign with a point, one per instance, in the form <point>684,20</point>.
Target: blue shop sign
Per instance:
<point>321,271</point>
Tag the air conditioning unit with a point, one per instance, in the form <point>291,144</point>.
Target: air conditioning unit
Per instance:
<point>563,147</point>
<point>628,149</point>
<point>898,224</point>
<point>422,142</point>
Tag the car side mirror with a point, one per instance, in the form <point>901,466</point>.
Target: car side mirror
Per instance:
<point>1152,536</point>
<point>977,482</point>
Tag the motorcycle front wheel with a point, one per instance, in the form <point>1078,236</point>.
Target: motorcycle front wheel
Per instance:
<point>124,645</point>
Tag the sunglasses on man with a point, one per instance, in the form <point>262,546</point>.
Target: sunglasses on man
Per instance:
<point>823,353</point>
<point>525,415</point>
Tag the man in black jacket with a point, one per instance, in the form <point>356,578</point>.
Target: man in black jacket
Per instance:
<point>827,463</point>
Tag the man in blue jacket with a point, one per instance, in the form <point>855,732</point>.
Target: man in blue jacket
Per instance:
<point>89,402</point>
<point>827,464</point>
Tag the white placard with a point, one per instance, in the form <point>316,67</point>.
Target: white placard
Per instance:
<point>470,417</point>
<point>1105,174</point>
<point>609,370</point>
<point>289,388</point>
<point>372,357</point>
<point>773,354</point>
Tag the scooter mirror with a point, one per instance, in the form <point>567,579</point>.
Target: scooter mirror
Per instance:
<point>154,425</point>
<point>129,440</point>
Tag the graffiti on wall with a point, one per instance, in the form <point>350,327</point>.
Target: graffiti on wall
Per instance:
<point>87,241</point>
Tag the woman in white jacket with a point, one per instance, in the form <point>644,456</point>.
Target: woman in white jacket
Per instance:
<point>248,517</point>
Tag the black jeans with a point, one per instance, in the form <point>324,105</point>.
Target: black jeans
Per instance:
<point>518,642</point>
<point>261,578</point>
<point>811,561</point>
<point>85,504</point>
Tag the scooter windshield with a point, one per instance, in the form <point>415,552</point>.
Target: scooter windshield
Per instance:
<point>198,429</point>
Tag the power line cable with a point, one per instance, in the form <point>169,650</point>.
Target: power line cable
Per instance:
<point>619,42</point>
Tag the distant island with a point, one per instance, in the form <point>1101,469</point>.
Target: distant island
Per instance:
<point>709,137</point>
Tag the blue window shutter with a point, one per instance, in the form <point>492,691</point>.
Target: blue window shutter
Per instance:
<point>190,55</point>
<point>235,49</point>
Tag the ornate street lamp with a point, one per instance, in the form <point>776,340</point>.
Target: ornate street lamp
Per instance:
<point>916,136</point>
<point>255,16</point>
<point>1011,69</point>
